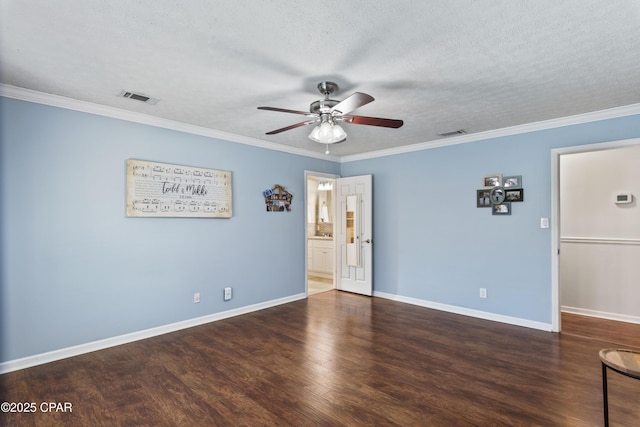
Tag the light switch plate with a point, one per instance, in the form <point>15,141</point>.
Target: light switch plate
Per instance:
<point>544,222</point>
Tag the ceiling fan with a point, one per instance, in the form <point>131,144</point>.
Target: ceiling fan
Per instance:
<point>328,112</point>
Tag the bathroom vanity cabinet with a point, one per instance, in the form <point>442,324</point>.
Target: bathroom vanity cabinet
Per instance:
<point>320,256</point>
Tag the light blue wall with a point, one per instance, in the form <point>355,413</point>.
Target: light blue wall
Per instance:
<point>75,269</point>
<point>432,243</point>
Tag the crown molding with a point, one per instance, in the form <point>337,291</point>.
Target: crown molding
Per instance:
<point>117,113</point>
<point>611,113</point>
<point>37,97</point>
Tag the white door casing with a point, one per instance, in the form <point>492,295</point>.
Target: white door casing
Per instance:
<point>353,234</point>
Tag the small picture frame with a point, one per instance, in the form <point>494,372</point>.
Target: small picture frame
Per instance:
<point>512,181</point>
<point>496,195</point>
<point>482,198</point>
<point>501,209</point>
<point>490,181</point>
<point>514,194</point>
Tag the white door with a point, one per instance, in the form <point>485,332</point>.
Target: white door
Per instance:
<point>353,235</point>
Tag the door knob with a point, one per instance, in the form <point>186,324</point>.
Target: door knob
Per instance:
<point>367,241</point>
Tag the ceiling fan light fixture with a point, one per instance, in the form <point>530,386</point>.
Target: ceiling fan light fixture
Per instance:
<point>339,134</point>
<point>314,135</point>
<point>327,132</point>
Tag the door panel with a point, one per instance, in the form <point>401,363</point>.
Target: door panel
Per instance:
<point>354,234</point>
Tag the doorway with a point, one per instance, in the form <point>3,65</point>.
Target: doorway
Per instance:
<point>571,241</point>
<point>319,232</point>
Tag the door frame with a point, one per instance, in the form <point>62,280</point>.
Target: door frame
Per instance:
<point>556,307</point>
<point>307,174</point>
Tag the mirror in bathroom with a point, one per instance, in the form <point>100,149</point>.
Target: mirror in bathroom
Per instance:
<point>324,211</point>
<point>324,205</point>
<point>320,206</point>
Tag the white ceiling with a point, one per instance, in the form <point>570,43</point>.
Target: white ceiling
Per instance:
<point>438,65</point>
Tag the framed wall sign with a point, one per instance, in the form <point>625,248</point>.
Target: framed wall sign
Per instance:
<point>166,190</point>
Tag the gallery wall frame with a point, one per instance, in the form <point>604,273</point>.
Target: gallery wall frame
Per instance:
<point>514,194</point>
<point>482,198</point>
<point>497,195</point>
<point>501,209</point>
<point>494,180</point>
<point>277,199</point>
<point>499,192</point>
<point>512,181</point>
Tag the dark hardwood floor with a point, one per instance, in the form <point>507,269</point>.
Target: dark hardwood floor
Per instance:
<point>339,359</point>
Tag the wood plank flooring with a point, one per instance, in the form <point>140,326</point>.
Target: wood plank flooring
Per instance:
<point>315,285</point>
<point>339,359</point>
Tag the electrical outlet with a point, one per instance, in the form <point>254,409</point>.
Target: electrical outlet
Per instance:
<point>227,293</point>
<point>483,292</point>
<point>196,297</point>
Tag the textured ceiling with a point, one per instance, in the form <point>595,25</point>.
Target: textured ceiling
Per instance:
<point>438,65</point>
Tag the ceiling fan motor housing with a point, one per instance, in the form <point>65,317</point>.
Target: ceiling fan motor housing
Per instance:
<point>323,106</point>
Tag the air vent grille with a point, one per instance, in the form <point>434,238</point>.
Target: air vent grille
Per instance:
<point>139,97</point>
<point>453,133</point>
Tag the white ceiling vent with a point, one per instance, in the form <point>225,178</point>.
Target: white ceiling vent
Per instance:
<point>139,97</point>
<point>453,133</point>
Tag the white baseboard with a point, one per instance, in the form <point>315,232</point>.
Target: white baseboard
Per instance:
<point>63,353</point>
<point>468,312</point>
<point>601,314</point>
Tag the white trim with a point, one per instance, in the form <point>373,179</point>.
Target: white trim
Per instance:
<point>88,107</point>
<point>63,353</point>
<point>601,314</point>
<point>600,240</point>
<point>611,113</point>
<point>555,215</point>
<point>146,119</point>
<point>516,321</point>
<point>556,319</point>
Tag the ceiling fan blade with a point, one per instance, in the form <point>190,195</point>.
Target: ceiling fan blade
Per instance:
<point>356,100</point>
<point>297,125</point>
<point>284,110</point>
<point>373,121</point>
